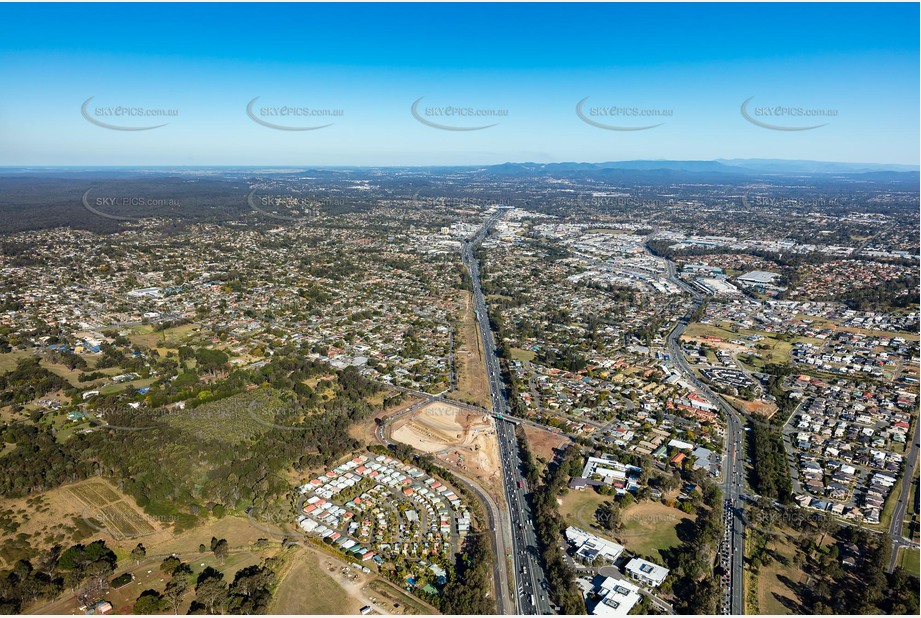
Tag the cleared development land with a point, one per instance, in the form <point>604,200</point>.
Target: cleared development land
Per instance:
<point>461,438</point>
<point>464,438</point>
<point>366,429</point>
<point>469,365</point>
<point>774,351</point>
<point>543,443</point>
<point>318,584</point>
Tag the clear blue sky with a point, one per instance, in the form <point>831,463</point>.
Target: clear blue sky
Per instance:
<point>536,61</point>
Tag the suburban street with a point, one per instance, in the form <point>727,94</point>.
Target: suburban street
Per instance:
<point>733,470</point>
<point>898,515</point>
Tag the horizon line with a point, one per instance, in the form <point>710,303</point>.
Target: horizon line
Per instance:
<point>915,166</point>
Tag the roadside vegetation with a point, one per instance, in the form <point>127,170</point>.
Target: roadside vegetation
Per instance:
<point>549,525</point>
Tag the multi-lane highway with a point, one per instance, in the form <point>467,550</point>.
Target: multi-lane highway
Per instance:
<point>529,582</point>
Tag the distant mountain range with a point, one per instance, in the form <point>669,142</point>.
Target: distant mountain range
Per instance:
<point>744,167</point>
<point>723,166</point>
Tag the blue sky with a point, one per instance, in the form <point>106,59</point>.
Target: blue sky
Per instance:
<point>691,66</point>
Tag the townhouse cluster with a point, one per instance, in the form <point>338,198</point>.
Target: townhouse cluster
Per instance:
<point>848,441</point>
<point>855,353</point>
<point>377,508</point>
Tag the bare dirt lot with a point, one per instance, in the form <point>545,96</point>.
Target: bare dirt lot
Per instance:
<point>318,584</point>
<point>543,443</point>
<point>365,430</point>
<point>765,408</point>
<point>463,439</point>
<point>472,385</point>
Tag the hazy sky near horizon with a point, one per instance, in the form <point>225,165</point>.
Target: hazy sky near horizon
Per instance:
<point>68,69</point>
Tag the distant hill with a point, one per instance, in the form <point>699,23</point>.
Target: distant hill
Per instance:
<point>737,166</point>
<point>726,166</point>
<point>815,167</point>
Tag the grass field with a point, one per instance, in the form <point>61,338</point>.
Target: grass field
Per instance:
<point>469,366</point>
<point>779,351</point>
<point>889,506</point>
<point>910,560</point>
<point>577,508</point>
<point>650,527</point>
<point>522,355</point>
<point>8,363</point>
<point>71,375</point>
<point>8,360</point>
<point>910,527</point>
<point>309,588</point>
<point>145,336</point>
<point>647,527</point>
<point>774,595</point>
